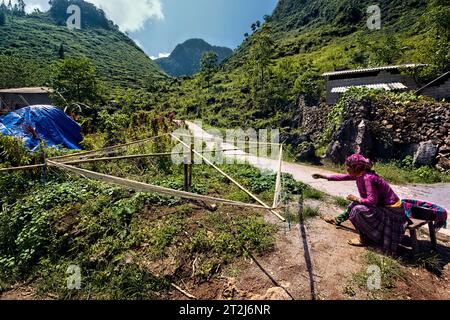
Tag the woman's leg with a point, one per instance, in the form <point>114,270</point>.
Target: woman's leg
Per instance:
<point>386,227</point>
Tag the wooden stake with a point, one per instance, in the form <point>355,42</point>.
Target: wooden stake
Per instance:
<point>191,165</point>
<point>278,186</point>
<point>186,174</point>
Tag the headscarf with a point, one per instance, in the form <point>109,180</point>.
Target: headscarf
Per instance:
<point>359,163</point>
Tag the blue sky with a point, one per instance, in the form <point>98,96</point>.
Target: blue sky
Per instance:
<point>159,25</point>
<point>219,22</point>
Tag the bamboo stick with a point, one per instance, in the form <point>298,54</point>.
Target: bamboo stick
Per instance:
<point>144,187</point>
<point>278,182</point>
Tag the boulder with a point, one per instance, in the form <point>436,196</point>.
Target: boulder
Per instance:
<point>426,154</point>
<point>352,137</point>
<point>307,154</point>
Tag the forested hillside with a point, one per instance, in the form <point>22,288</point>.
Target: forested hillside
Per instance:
<point>40,39</point>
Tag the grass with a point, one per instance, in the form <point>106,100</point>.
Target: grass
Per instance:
<point>390,270</point>
<point>311,193</point>
<point>396,173</point>
<point>341,202</point>
<point>308,213</point>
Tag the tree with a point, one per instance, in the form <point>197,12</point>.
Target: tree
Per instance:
<point>2,18</point>
<point>384,49</point>
<point>75,79</point>
<point>258,24</point>
<point>253,27</point>
<point>20,8</point>
<point>3,7</point>
<point>261,54</point>
<point>61,52</point>
<point>435,49</point>
<point>208,65</point>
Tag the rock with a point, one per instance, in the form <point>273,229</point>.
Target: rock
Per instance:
<point>307,154</point>
<point>351,138</point>
<point>273,294</point>
<point>425,155</point>
<point>443,164</point>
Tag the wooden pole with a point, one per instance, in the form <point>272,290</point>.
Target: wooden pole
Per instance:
<point>144,187</point>
<point>36,166</point>
<point>186,174</point>
<point>278,186</point>
<point>74,162</point>
<point>191,165</point>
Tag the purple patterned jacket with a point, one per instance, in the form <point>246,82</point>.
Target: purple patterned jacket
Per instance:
<point>373,190</point>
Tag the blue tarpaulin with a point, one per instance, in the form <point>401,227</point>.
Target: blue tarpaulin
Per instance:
<point>49,123</point>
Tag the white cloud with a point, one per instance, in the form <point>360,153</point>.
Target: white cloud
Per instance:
<point>128,15</point>
<point>160,55</point>
<point>131,15</point>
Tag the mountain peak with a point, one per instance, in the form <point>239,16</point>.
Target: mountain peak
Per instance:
<point>185,58</point>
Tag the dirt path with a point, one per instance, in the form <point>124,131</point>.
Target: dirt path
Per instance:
<point>436,193</point>
<point>284,274</point>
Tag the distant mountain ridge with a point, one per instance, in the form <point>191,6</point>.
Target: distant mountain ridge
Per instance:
<point>185,58</point>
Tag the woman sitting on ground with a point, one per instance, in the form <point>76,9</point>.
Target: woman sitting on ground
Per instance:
<point>378,214</point>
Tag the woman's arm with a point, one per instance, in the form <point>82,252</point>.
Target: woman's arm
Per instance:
<point>341,177</point>
<point>337,177</point>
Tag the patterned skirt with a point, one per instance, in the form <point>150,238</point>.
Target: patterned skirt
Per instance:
<point>384,226</point>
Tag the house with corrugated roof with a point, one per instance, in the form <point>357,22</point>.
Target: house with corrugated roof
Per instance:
<point>390,78</point>
<point>16,98</point>
<point>438,88</point>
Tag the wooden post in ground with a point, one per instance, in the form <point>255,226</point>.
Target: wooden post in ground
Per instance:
<point>191,165</point>
<point>186,174</point>
<point>432,235</point>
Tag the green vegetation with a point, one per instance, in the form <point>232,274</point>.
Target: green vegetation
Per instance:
<point>76,80</point>
<point>208,65</point>
<point>402,172</point>
<point>341,202</point>
<point>390,269</point>
<point>118,237</point>
<point>33,43</point>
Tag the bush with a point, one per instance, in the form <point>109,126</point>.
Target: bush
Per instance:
<point>13,152</point>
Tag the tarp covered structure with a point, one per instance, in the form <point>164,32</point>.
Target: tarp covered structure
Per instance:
<point>42,122</point>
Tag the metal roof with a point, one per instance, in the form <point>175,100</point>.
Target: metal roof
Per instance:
<point>356,71</point>
<point>386,86</point>
<point>26,90</point>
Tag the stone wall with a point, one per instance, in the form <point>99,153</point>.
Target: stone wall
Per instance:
<point>384,129</point>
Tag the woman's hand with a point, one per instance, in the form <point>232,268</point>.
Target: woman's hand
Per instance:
<point>319,176</point>
<point>353,198</point>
